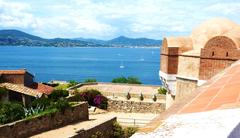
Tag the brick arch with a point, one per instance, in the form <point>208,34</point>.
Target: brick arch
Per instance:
<point>223,42</point>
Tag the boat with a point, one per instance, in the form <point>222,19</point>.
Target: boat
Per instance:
<point>121,66</point>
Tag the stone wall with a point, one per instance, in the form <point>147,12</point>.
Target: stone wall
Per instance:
<point>105,128</point>
<point>29,127</point>
<point>129,106</point>
<point>189,66</point>
<point>185,87</point>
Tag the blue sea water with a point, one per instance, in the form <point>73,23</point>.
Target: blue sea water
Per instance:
<point>103,64</point>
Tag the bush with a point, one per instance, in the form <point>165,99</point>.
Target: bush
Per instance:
<point>154,97</point>
<point>141,98</point>
<point>94,98</point>
<point>118,131</point>
<point>90,80</point>
<point>10,112</point>
<point>100,101</point>
<point>129,131</point>
<point>3,91</point>
<point>72,83</point>
<point>162,90</point>
<point>133,80</point>
<point>129,80</point>
<point>44,102</point>
<point>60,104</point>
<point>98,134</point>
<point>57,94</point>
<point>120,80</point>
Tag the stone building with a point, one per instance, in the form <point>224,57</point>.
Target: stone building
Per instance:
<point>21,86</point>
<point>187,62</point>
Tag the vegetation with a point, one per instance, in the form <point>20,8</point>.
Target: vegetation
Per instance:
<point>97,134</point>
<point>129,80</point>
<point>162,90</point>
<point>72,83</point>
<point>10,112</point>
<point>61,87</point>
<point>94,98</point>
<point>128,96</point>
<point>119,132</point>
<point>56,94</point>
<point>154,98</point>
<point>3,91</point>
<point>90,80</point>
<point>141,97</point>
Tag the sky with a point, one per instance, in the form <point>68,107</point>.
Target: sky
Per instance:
<point>107,19</point>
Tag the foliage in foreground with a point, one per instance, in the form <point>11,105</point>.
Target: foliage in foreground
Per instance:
<point>162,90</point>
<point>119,132</point>
<point>3,91</point>
<point>129,80</point>
<point>10,112</point>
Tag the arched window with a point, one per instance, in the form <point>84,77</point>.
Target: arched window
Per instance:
<point>213,53</point>
<point>227,54</point>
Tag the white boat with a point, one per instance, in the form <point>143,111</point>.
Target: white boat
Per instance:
<point>121,66</point>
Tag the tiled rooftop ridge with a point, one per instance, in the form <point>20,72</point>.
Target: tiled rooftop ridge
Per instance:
<point>221,91</point>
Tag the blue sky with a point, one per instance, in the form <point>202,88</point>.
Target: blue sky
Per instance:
<point>106,19</point>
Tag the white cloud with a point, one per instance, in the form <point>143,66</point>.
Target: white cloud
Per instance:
<point>107,19</point>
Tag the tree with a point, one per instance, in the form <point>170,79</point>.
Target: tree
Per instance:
<point>129,80</point>
<point>120,80</point>
<point>90,80</point>
<point>133,80</point>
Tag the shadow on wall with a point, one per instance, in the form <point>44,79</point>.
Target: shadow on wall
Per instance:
<point>235,132</point>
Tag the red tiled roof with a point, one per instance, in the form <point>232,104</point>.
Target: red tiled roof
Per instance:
<point>12,72</point>
<point>21,89</point>
<point>42,88</point>
<point>222,91</point>
<point>15,72</point>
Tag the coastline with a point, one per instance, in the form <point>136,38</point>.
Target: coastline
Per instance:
<point>147,47</point>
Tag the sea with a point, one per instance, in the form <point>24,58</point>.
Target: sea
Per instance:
<point>74,63</point>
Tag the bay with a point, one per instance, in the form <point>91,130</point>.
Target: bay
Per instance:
<point>103,64</point>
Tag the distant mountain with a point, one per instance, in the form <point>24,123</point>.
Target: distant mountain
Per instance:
<point>19,38</point>
<point>125,41</point>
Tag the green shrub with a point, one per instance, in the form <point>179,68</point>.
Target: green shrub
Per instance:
<point>90,80</point>
<point>57,94</point>
<point>133,80</point>
<point>10,112</point>
<point>129,131</point>
<point>128,96</point>
<point>162,90</point>
<point>60,105</point>
<point>129,80</point>
<point>154,97</point>
<point>141,98</point>
<point>44,102</point>
<point>118,131</point>
<point>98,134</point>
<point>72,83</point>
<point>120,80</point>
<point>3,91</point>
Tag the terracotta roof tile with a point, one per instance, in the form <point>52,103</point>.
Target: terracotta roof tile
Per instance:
<point>222,90</point>
<point>21,89</point>
<point>42,88</point>
<point>12,71</point>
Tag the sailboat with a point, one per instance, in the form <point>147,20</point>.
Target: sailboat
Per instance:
<point>121,66</point>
